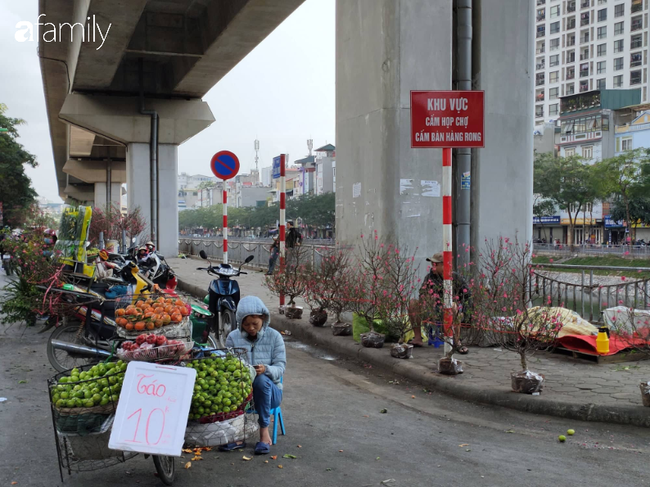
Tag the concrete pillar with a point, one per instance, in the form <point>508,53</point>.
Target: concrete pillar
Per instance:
<point>138,177</point>
<point>139,191</point>
<point>100,194</point>
<point>502,172</point>
<point>385,49</point>
<point>168,200</point>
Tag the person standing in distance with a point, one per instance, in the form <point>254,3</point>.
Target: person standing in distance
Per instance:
<point>294,238</point>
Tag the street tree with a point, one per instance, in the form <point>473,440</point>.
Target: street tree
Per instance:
<point>567,182</point>
<point>626,179</point>
<point>16,192</point>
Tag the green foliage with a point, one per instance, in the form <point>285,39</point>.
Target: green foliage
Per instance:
<point>626,178</point>
<point>17,301</point>
<point>315,211</point>
<point>567,182</point>
<point>16,192</point>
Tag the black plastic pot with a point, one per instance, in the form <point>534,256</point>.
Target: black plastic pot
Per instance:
<point>372,339</point>
<point>318,317</point>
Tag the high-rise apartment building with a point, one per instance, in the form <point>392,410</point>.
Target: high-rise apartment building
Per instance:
<point>585,45</point>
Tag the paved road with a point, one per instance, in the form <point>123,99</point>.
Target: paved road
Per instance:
<point>332,405</point>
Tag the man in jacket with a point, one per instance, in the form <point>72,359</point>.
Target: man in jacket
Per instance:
<point>430,304</point>
<point>294,238</point>
<point>267,358</point>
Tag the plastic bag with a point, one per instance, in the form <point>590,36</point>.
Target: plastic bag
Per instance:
<point>221,433</point>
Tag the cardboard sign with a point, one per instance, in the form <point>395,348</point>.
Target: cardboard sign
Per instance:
<point>153,408</point>
<point>447,119</point>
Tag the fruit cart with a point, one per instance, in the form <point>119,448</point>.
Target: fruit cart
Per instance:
<point>84,402</point>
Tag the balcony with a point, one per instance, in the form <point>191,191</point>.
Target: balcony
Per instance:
<point>541,2</point>
<point>584,73</point>
<point>635,44</point>
<point>584,56</point>
<point>540,66</point>
<point>580,102</point>
<point>584,39</point>
<point>570,75</point>
<point>583,4</point>
<point>541,17</point>
<point>571,59</point>
<point>540,33</point>
<point>539,82</point>
<point>571,7</point>
<point>540,50</point>
<point>571,41</point>
<point>539,96</point>
<point>637,5</point>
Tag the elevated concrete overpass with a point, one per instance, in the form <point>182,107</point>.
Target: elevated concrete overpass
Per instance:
<point>103,84</point>
<point>110,96</point>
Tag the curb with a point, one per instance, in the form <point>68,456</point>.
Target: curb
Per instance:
<point>345,346</point>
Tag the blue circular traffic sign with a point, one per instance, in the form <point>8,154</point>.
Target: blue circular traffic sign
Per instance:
<point>224,165</point>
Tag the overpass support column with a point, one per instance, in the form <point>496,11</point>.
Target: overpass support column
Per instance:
<point>101,194</point>
<point>385,49</point>
<point>139,191</point>
<point>119,119</point>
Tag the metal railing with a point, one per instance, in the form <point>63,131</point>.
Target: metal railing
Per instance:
<point>587,298</point>
<point>594,249</point>
<point>238,251</point>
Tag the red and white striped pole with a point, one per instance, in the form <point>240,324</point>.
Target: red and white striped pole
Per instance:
<point>447,235</point>
<point>225,224</point>
<point>283,206</point>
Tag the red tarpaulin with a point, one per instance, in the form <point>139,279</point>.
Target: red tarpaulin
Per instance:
<point>587,344</point>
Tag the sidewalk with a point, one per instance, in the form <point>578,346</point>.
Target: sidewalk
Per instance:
<point>574,388</point>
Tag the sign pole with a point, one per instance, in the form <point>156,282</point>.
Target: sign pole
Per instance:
<point>447,237</point>
<point>283,203</point>
<point>225,224</point>
<point>447,119</point>
<point>225,166</point>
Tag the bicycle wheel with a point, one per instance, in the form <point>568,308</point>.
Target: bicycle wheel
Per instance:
<point>227,323</point>
<point>166,468</point>
<point>63,360</point>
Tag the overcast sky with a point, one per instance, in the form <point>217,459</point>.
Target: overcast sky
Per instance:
<point>281,94</point>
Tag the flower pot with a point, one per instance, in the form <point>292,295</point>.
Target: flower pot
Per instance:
<point>342,329</point>
<point>527,382</point>
<point>450,366</point>
<point>401,350</point>
<point>293,312</point>
<point>372,339</point>
<point>645,393</point>
<point>318,317</point>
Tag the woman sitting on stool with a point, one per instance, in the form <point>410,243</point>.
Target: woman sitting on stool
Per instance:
<point>268,359</point>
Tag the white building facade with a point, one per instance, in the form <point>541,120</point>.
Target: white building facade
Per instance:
<point>585,45</point>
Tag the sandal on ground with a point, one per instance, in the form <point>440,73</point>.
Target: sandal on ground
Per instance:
<point>232,446</point>
<point>415,345</point>
<point>262,448</point>
<point>463,350</point>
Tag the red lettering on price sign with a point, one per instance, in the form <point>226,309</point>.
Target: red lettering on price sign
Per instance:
<point>153,408</point>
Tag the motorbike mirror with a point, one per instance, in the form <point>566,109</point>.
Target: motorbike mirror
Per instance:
<point>249,258</point>
<point>203,255</point>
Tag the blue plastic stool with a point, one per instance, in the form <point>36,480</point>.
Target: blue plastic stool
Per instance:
<point>277,417</point>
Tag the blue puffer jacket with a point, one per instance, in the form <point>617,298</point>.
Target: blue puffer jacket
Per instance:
<point>268,349</point>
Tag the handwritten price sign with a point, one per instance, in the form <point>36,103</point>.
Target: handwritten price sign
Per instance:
<point>152,412</point>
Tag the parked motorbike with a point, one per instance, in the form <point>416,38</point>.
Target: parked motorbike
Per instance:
<point>90,333</point>
<point>223,298</point>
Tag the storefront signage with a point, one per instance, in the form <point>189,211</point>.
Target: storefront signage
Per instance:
<point>546,220</point>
